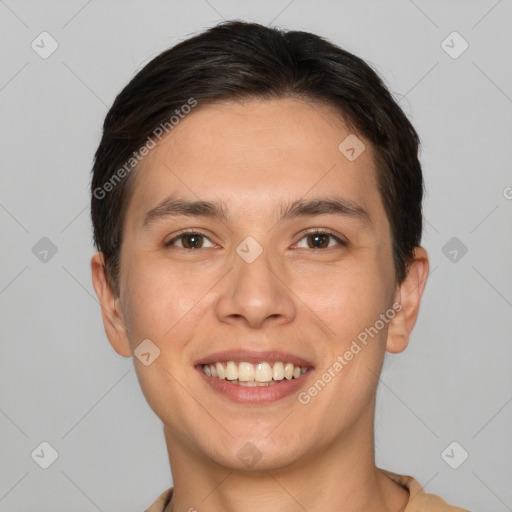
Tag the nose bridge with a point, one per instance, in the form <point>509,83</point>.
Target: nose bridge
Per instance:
<point>255,290</point>
<point>253,264</point>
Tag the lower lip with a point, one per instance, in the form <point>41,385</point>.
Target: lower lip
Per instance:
<point>255,394</point>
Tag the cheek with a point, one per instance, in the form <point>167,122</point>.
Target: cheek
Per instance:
<point>165,307</point>
<point>346,300</point>
<point>159,297</point>
<point>350,303</point>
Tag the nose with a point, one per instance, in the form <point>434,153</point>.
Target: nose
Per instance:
<point>255,293</point>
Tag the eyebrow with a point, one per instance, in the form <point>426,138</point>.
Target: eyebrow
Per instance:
<point>175,207</point>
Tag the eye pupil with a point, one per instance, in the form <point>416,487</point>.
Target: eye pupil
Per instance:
<point>196,239</point>
<point>319,240</point>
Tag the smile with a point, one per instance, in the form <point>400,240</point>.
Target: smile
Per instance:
<point>248,374</point>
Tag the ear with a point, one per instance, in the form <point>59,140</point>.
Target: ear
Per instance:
<point>112,314</point>
<point>408,294</point>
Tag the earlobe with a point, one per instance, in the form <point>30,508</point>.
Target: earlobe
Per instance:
<point>112,314</point>
<point>408,294</point>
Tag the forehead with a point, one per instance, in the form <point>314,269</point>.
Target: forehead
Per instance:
<point>255,153</point>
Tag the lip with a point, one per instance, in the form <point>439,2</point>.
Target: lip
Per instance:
<point>258,394</point>
<point>254,357</point>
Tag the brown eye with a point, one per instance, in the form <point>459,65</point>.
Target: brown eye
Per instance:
<point>190,240</point>
<point>320,240</point>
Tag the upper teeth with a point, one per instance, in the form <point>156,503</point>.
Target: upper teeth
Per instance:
<point>248,372</point>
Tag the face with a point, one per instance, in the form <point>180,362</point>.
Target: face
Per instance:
<point>289,262</point>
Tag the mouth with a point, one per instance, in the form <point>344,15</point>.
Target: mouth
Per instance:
<point>254,378</point>
<point>248,374</point>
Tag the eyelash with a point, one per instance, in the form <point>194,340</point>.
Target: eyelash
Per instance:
<point>314,232</point>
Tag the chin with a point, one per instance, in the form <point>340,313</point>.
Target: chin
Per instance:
<point>255,453</point>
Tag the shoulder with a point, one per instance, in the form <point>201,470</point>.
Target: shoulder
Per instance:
<point>161,502</point>
<point>419,500</point>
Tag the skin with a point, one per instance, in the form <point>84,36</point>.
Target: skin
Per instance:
<point>310,302</point>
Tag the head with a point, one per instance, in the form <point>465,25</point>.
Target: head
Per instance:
<point>253,139</point>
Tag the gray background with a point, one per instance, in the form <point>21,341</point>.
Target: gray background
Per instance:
<point>61,382</point>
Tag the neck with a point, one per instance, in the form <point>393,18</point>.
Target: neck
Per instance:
<point>334,476</point>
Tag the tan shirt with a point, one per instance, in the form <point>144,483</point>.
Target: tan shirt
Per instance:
<point>419,500</point>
